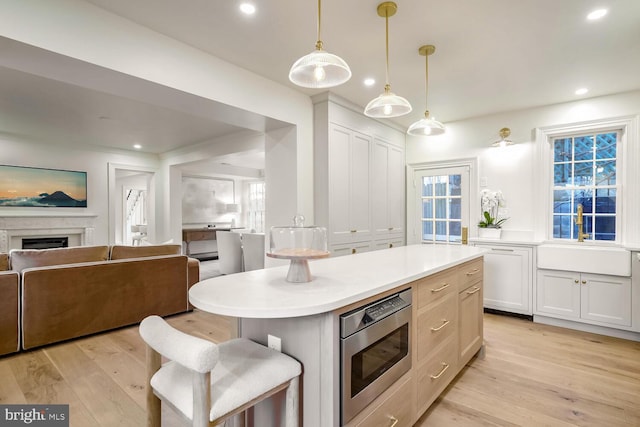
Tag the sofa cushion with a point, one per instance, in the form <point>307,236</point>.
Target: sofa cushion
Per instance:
<point>4,262</point>
<point>126,252</point>
<point>26,258</point>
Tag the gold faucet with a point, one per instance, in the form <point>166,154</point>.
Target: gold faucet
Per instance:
<point>581,233</point>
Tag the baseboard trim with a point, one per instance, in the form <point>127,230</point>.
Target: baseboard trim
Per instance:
<point>508,313</point>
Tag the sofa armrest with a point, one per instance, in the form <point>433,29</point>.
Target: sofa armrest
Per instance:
<point>9,312</point>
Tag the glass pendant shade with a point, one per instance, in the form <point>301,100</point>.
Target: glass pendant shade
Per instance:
<point>426,127</point>
<point>387,105</point>
<point>319,69</point>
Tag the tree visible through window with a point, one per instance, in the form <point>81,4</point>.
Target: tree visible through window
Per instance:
<point>584,172</point>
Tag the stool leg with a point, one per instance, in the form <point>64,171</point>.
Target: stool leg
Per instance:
<point>291,403</point>
<point>153,403</point>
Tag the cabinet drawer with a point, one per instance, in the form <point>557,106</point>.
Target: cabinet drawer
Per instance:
<point>470,273</point>
<point>436,324</point>
<point>394,410</point>
<point>434,375</point>
<point>436,287</point>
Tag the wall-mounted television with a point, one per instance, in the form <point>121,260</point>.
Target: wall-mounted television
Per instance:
<point>42,188</point>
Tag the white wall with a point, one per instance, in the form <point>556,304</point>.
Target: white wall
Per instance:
<point>512,169</point>
<point>79,30</point>
<point>18,152</point>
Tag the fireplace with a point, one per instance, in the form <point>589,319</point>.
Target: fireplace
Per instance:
<point>77,229</point>
<point>45,242</point>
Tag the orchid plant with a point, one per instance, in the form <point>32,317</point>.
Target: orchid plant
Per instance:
<point>490,202</point>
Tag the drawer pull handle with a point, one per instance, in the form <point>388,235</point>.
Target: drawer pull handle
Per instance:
<point>445,322</point>
<point>390,228</point>
<point>441,288</point>
<point>390,245</point>
<point>473,291</point>
<point>354,231</point>
<point>502,250</point>
<point>584,282</point>
<point>442,371</point>
<point>393,420</point>
<point>471,273</point>
<point>576,281</point>
<point>353,251</point>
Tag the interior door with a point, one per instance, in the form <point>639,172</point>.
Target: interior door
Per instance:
<point>441,204</point>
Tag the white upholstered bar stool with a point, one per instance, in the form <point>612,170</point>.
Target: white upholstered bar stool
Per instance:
<point>208,383</point>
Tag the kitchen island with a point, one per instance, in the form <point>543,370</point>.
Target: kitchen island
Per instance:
<point>305,316</point>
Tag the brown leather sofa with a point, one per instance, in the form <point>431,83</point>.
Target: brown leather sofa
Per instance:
<point>9,303</point>
<point>72,292</point>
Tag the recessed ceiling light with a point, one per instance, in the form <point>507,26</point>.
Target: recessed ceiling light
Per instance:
<point>596,14</point>
<point>369,82</point>
<point>582,91</point>
<point>247,8</point>
<point>137,146</point>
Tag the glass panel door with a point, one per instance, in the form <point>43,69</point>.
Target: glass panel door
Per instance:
<point>442,203</point>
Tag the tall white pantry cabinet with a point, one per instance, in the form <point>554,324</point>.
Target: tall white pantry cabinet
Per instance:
<point>359,179</point>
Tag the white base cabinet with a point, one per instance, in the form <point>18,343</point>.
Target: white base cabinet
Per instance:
<point>591,298</point>
<point>508,278</point>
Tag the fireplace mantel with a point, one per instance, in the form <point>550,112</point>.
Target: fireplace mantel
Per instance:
<point>13,227</point>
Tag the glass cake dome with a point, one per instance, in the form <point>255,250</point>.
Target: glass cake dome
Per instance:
<point>299,243</point>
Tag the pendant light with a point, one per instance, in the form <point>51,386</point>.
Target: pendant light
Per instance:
<point>388,104</point>
<point>319,69</point>
<point>503,141</point>
<point>428,125</point>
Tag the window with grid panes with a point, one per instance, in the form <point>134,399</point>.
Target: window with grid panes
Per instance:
<point>441,208</point>
<point>256,209</point>
<point>584,172</point>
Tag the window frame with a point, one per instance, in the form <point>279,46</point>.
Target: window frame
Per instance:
<point>594,187</point>
<point>543,174</point>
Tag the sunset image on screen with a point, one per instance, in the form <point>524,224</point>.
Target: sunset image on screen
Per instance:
<point>23,186</point>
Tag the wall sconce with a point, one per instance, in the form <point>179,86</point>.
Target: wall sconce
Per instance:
<point>503,141</point>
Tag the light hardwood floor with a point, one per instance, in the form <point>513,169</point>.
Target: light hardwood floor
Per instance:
<point>532,375</point>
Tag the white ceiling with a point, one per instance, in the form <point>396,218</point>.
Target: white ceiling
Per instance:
<point>491,56</point>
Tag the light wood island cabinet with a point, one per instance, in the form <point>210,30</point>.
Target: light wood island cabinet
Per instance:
<point>448,332</point>
<point>470,310</point>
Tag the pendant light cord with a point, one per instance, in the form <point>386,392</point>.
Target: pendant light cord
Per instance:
<point>318,22</point>
<point>426,81</point>
<point>387,87</point>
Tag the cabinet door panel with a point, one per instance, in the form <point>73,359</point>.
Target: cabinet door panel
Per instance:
<point>380,187</point>
<point>606,299</point>
<point>339,176</point>
<point>359,192</point>
<point>470,319</point>
<point>558,293</point>
<point>507,279</point>
<point>396,190</point>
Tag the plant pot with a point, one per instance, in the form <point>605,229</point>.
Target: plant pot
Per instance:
<point>489,233</point>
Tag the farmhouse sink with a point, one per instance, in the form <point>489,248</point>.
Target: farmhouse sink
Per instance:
<point>585,259</point>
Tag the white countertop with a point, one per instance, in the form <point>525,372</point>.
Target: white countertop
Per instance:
<point>337,282</point>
